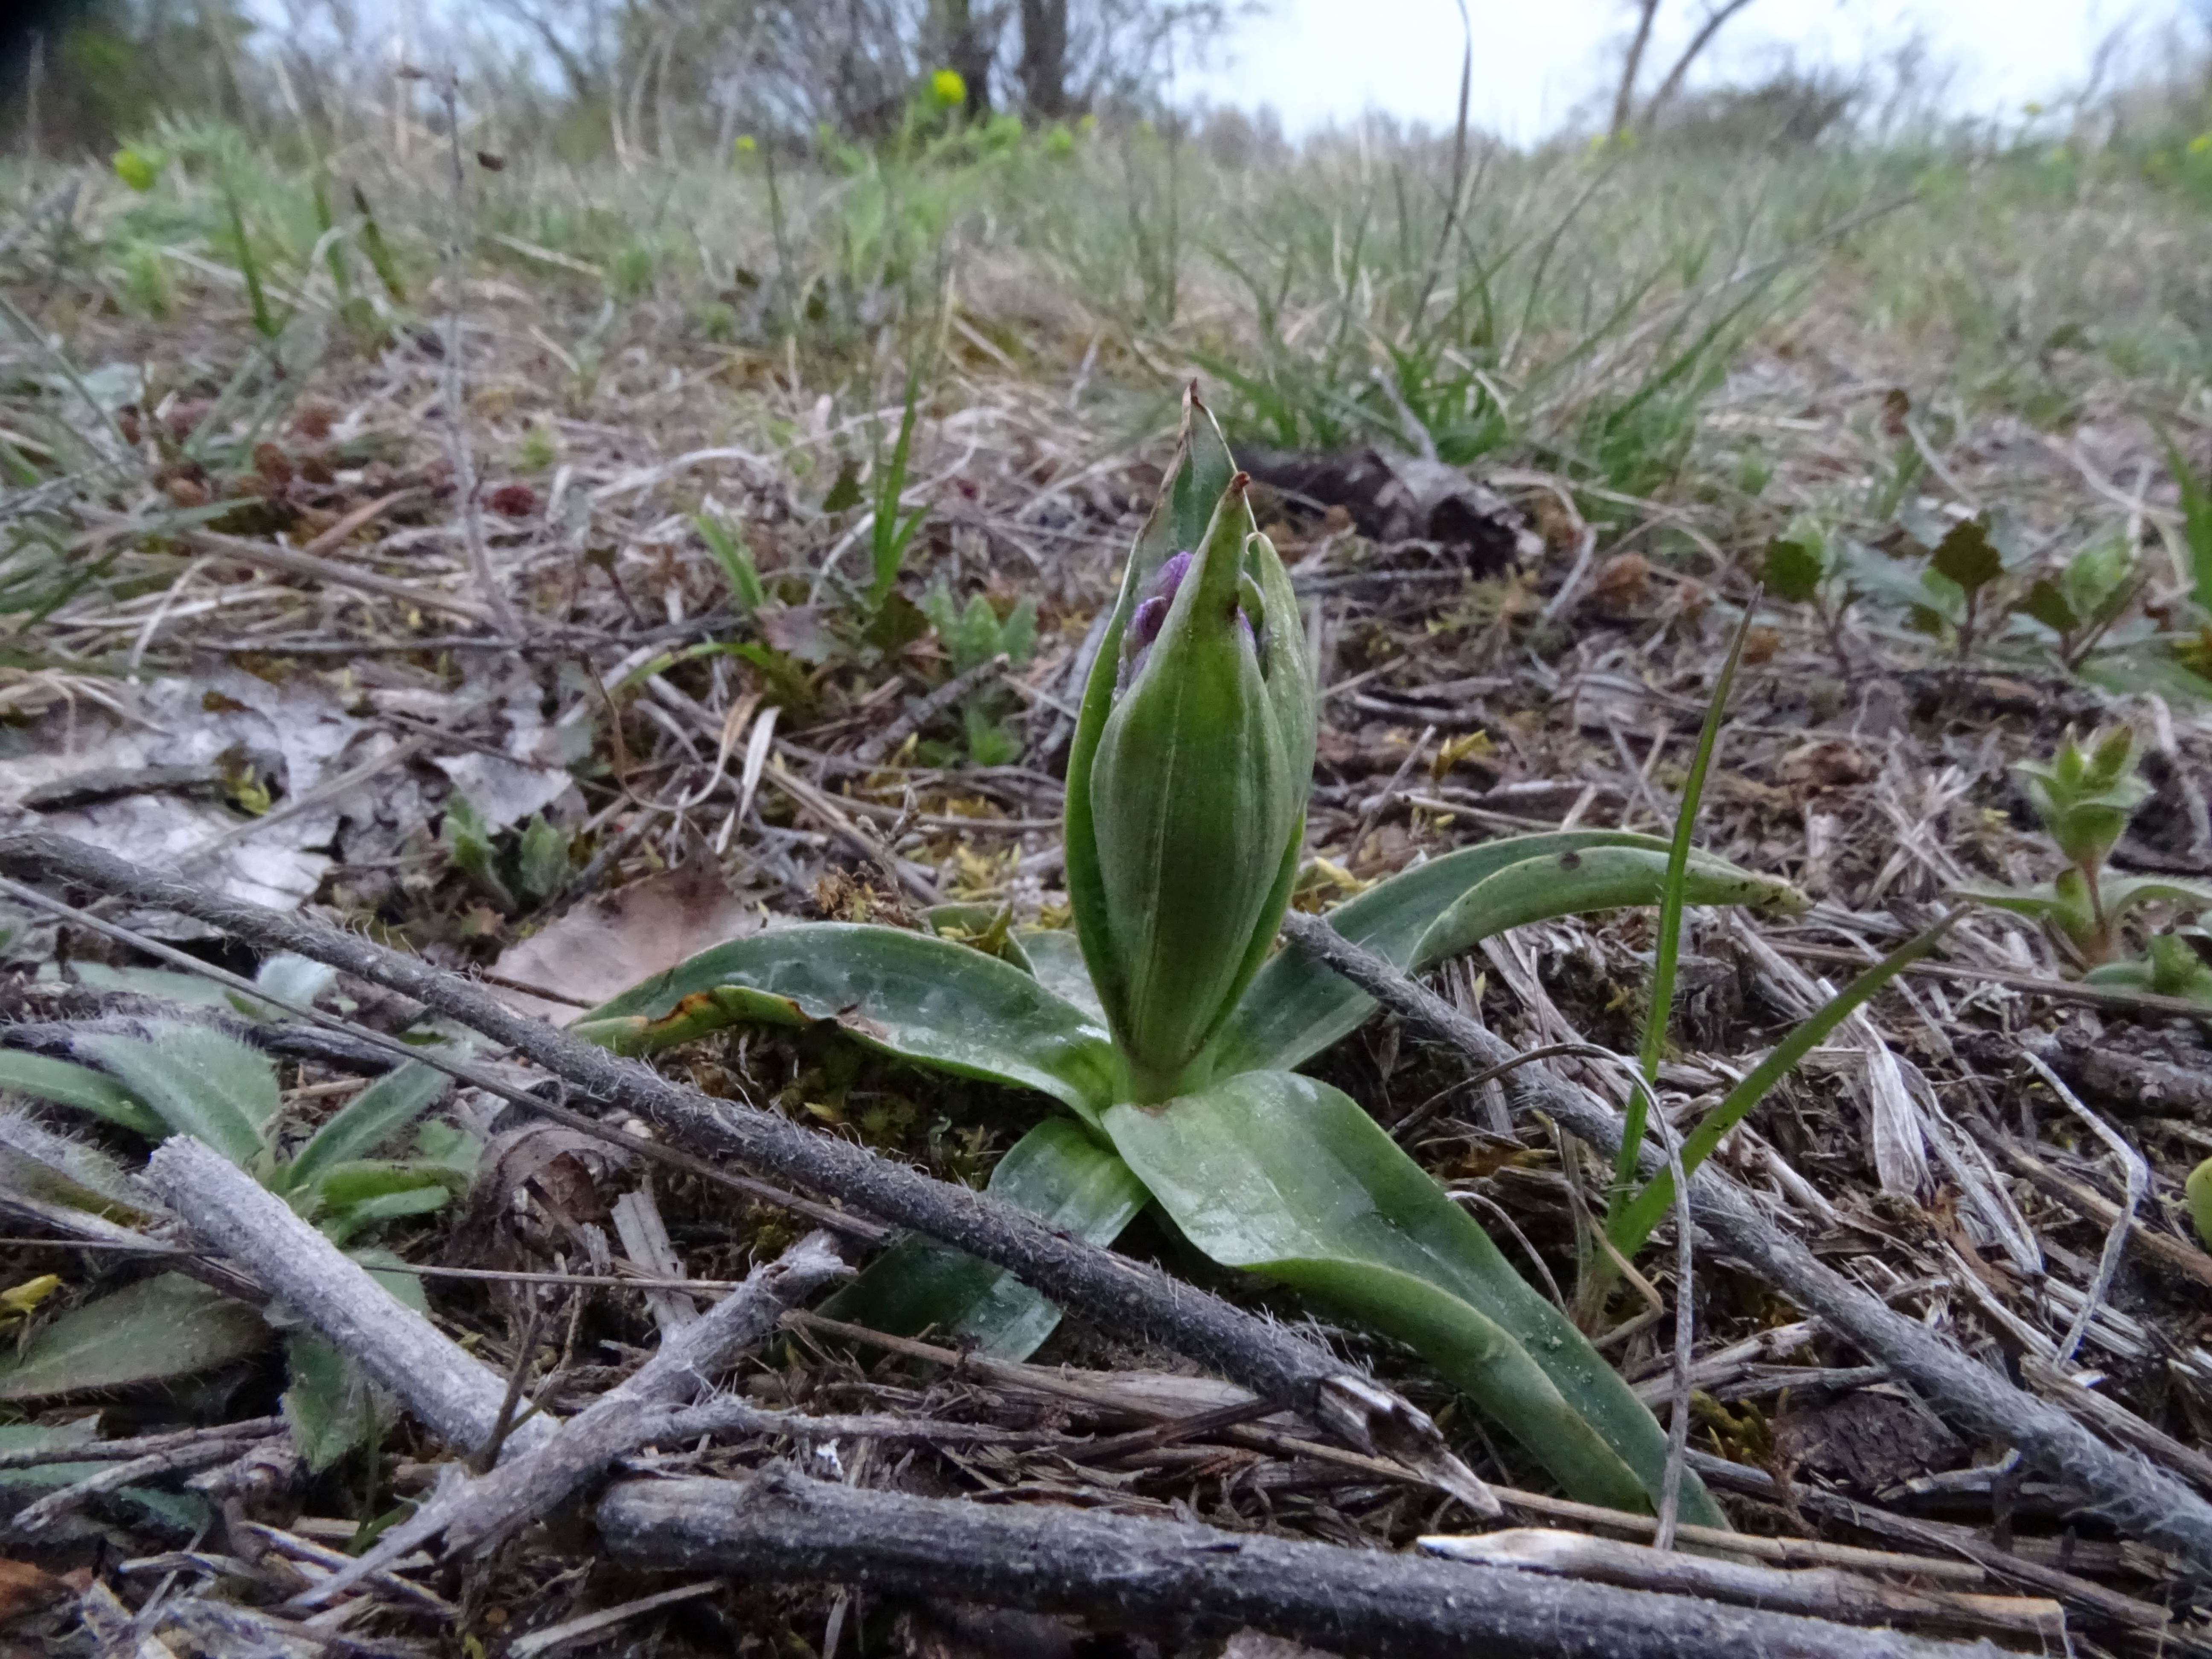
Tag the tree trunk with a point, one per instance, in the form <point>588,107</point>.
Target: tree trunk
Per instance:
<point>1624,98</point>
<point>1044,59</point>
<point>968,44</point>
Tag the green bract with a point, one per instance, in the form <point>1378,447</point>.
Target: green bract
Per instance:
<point>1171,1034</point>
<point>1194,753</point>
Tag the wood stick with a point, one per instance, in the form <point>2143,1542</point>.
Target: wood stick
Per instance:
<point>1848,1598</point>
<point>481,1511</point>
<point>457,1397</point>
<point>2131,1495</point>
<point>1116,1292</point>
<point>781,1525</point>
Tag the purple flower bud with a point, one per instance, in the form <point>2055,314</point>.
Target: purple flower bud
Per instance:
<point>1169,577</point>
<point>1151,615</point>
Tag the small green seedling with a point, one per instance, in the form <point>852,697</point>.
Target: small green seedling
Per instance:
<point>972,637</point>
<point>532,872</point>
<point>2084,797</point>
<point>1170,1030</point>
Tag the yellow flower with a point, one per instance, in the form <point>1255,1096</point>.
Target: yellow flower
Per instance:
<point>2200,143</point>
<point>745,146</point>
<point>2031,109</point>
<point>949,87</point>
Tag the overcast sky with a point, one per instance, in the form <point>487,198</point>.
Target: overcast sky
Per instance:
<point>1537,61</point>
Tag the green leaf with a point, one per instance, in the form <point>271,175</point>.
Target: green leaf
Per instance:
<point>380,1113</point>
<point>41,1165</point>
<point>467,838</point>
<point>920,998</point>
<point>845,492</point>
<point>2048,604</point>
<point>2196,519</point>
<point>1295,1006</point>
<point>736,559</point>
<point>154,1331</point>
<point>1056,1172</point>
<point>1967,557</point>
<point>1285,1176</point>
<point>1674,895</point>
<point>1055,957</point>
<point>541,862</point>
<point>203,1084</point>
<point>2199,1192</point>
<point>68,1084</point>
<point>1793,570</point>
<point>331,1407</point>
<point>189,989</point>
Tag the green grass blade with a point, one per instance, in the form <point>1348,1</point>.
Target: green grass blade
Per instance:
<point>888,533</point>
<point>2196,519</point>
<point>1670,908</point>
<point>1646,1209</point>
<point>736,559</point>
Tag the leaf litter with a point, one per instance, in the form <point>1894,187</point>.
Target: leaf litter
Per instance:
<point>297,738</point>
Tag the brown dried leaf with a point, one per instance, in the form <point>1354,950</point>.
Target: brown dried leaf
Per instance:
<point>611,942</point>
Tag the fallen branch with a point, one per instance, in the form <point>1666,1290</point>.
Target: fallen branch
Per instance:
<point>781,1525</point>
<point>480,1512</point>
<point>2128,1492</point>
<point>1116,1292</point>
<point>457,1397</point>
<point>1847,1598</point>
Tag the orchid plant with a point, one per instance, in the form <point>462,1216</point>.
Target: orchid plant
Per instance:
<point>1172,1035</point>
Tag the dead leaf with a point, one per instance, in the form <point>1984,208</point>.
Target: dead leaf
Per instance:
<point>26,1589</point>
<point>611,942</point>
<point>1870,1438</point>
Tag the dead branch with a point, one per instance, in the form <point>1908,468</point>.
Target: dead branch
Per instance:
<point>229,1212</point>
<point>779,1524</point>
<point>480,1512</point>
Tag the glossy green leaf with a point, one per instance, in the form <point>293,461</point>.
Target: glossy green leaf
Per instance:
<point>1285,1176</point>
<point>381,1112</point>
<point>1295,1006</point>
<point>202,1083</point>
<point>153,1331</point>
<point>909,994</point>
<point>65,1084</point>
<point>1055,957</point>
<point>1056,1172</point>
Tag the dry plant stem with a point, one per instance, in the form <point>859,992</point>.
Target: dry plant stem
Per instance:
<point>480,1512</point>
<point>885,742</point>
<point>455,391</point>
<point>781,1525</point>
<point>70,1227</point>
<point>1815,1593</point>
<point>144,1445</point>
<point>1056,1383</point>
<point>283,559</point>
<point>34,1518</point>
<point>231,1213</point>
<point>2129,1494</point>
<point>2137,1175</point>
<point>1114,1290</point>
